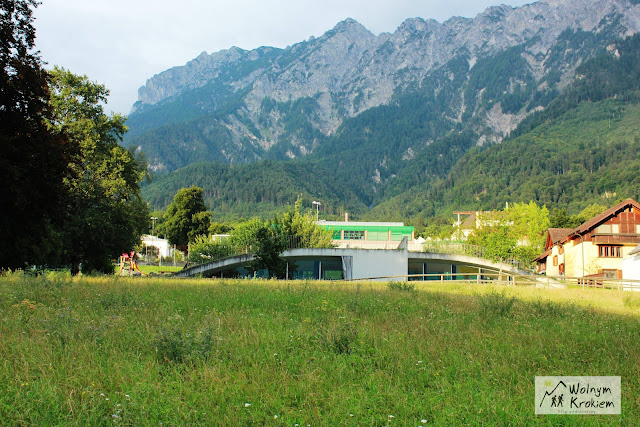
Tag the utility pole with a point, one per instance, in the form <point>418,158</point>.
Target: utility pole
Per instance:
<point>317,204</point>
<point>153,236</point>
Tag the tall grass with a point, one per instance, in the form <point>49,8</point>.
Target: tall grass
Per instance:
<point>229,352</point>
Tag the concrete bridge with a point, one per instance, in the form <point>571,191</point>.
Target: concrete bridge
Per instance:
<point>352,264</point>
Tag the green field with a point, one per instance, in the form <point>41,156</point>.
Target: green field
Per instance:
<point>145,351</point>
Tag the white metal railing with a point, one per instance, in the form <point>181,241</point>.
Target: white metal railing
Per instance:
<point>366,244</point>
<point>597,282</point>
<point>503,278</point>
<point>455,248</point>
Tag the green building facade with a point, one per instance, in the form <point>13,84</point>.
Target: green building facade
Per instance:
<point>369,231</point>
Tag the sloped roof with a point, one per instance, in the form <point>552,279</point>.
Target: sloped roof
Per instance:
<point>542,255</point>
<point>635,250</point>
<point>561,235</point>
<point>557,234</point>
<point>598,219</point>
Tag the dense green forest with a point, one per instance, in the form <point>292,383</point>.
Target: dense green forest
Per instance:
<point>244,191</point>
<point>588,155</point>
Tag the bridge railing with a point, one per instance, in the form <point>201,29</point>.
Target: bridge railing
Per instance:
<point>219,250</point>
<point>456,248</point>
<point>487,277</point>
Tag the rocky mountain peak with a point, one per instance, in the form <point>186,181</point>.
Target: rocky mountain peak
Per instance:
<point>295,97</point>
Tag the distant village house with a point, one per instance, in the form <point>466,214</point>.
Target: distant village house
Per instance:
<point>595,248</point>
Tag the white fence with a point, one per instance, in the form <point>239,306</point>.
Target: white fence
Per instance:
<point>505,278</point>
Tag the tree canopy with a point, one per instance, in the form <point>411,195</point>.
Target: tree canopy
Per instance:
<point>35,159</point>
<point>186,217</point>
<point>107,213</point>
<point>517,232</point>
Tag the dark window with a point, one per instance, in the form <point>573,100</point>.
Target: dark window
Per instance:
<point>610,251</point>
<point>353,235</point>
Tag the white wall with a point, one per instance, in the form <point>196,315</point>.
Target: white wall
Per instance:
<point>631,267</point>
<point>376,263</point>
<point>366,263</point>
<point>164,250</point>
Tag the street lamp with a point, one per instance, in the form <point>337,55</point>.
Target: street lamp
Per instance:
<point>153,232</point>
<point>317,208</point>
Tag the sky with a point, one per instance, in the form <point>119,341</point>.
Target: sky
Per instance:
<point>122,43</point>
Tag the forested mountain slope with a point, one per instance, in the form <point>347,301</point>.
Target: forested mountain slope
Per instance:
<point>581,149</point>
<point>480,125</point>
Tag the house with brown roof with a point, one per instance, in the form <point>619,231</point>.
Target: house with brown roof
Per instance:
<point>595,248</point>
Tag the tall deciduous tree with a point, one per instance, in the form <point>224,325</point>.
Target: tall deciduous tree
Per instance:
<point>35,159</point>
<point>301,227</point>
<point>186,217</point>
<point>517,232</point>
<point>267,249</point>
<point>107,213</point>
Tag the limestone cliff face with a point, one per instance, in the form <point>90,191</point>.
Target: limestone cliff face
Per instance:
<point>252,95</point>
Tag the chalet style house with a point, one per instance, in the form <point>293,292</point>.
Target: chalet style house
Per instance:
<point>595,248</point>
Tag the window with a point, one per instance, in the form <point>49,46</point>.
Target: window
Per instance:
<point>555,260</point>
<point>610,251</point>
<point>560,249</point>
<point>353,235</point>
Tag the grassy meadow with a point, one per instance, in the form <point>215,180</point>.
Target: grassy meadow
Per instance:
<point>152,351</point>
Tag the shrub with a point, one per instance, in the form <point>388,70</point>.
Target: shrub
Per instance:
<point>206,249</point>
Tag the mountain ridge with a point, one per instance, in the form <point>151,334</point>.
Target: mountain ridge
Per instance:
<point>349,70</point>
<point>314,102</point>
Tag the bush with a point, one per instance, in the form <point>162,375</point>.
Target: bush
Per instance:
<point>206,249</point>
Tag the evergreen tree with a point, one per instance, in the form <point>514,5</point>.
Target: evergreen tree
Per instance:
<point>186,217</point>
